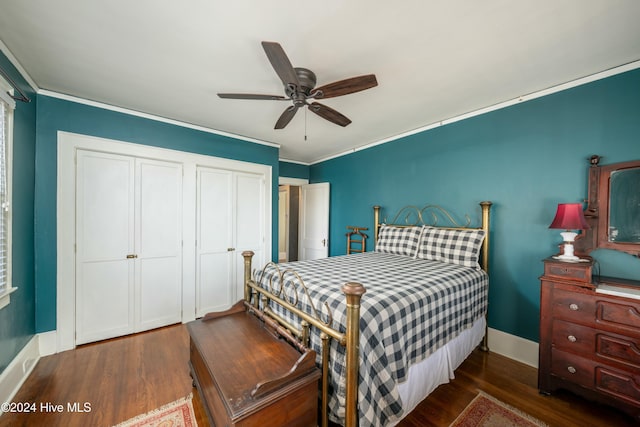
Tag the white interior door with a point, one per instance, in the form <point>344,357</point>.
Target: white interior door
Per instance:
<point>158,284</point>
<point>104,238</point>
<point>314,221</point>
<point>214,244</point>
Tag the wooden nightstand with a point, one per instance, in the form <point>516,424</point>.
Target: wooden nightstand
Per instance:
<point>589,341</point>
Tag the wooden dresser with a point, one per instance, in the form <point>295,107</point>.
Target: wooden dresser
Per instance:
<point>589,341</point>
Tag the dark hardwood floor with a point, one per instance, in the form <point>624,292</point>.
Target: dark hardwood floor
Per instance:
<point>128,376</point>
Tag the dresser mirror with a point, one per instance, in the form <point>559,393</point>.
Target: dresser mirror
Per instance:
<point>613,208</point>
<point>624,206</point>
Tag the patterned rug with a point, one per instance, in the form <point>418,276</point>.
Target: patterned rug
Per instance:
<point>175,414</point>
<point>487,411</point>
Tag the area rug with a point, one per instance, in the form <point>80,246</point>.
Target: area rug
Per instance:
<point>174,414</point>
<point>487,411</point>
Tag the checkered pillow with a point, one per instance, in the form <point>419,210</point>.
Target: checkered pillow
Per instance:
<point>398,240</point>
<point>453,246</point>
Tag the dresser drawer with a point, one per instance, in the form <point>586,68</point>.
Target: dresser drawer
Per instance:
<point>620,349</point>
<point>574,306</point>
<point>573,338</point>
<point>563,270</point>
<point>620,384</point>
<point>620,316</point>
<point>575,369</point>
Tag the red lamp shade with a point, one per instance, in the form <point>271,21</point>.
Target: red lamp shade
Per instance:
<point>569,216</point>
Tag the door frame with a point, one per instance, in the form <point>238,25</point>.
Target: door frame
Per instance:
<point>68,144</point>
<point>283,180</point>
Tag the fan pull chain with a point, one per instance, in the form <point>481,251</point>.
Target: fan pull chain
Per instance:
<point>305,124</point>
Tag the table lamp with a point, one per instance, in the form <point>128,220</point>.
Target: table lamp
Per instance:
<point>569,216</point>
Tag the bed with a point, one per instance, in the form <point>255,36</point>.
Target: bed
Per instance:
<point>390,325</point>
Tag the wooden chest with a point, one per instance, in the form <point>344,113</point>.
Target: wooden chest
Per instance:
<point>589,341</point>
<point>247,377</point>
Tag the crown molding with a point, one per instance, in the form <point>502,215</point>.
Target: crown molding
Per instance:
<point>5,50</point>
<point>522,98</point>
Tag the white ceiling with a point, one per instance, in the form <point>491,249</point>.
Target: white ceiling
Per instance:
<point>433,59</point>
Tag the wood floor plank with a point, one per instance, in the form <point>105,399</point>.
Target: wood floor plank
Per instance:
<point>129,376</point>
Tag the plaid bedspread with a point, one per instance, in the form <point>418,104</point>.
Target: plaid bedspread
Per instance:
<point>412,307</point>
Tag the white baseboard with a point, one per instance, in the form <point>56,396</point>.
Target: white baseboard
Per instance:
<point>513,347</point>
<point>48,343</point>
<point>19,369</point>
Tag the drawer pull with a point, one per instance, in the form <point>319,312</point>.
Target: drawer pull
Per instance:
<point>571,370</point>
<point>571,338</point>
<point>573,307</point>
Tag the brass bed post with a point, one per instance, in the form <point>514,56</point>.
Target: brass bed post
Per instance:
<point>486,208</point>
<point>376,224</point>
<point>354,292</point>
<point>247,255</point>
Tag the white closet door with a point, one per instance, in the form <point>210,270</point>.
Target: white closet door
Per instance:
<point>104,238</point>
<point>249,225</point>
<point>214,247</point>
<point>158,284</point>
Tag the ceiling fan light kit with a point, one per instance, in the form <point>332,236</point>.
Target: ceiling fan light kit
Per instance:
<point>299,87</point>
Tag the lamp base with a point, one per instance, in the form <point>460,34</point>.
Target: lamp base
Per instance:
<point>567,254</point>
<point>564,257</point>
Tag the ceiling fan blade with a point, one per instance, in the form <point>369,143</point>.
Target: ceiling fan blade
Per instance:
<point>250,96</point>
<point>281,63</point>
<point>286,117</point>
<point>346,86</point>
<point>329,113</point>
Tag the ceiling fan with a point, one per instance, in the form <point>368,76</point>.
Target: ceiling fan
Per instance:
<point>299,87</point>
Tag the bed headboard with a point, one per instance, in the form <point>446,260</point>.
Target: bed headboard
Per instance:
<point>436,216</point>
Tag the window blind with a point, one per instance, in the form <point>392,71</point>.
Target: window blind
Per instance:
<point>4,196</point>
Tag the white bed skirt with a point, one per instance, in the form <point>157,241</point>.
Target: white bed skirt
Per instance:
<point>439,368</point>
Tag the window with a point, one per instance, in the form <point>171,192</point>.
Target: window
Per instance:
<point>7,105</point>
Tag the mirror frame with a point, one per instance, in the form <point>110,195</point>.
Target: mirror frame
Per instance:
<point>597,210</point>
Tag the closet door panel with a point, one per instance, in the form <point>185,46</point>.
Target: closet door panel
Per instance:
<point>249,224</point>
<point>160,289</point>
<point>158,243</point>
<point>104,238</point>
<point>214,248</point>
<point>105,303</point>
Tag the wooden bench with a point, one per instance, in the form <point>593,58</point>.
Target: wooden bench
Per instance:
<point>247,376</point>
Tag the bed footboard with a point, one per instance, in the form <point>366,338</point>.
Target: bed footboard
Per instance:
<point>350,339</point>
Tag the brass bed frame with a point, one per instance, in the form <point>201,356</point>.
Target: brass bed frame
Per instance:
<point>350,339</point>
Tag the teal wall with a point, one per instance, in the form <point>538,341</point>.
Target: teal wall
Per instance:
<point>60,115</point>
<point>525,159</point>
<point>17,320</point>
<point>294,170</point>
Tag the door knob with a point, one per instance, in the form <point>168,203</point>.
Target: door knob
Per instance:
<point>324,242</point>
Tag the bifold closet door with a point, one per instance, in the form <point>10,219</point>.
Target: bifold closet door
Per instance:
<point>249,225</point>
<point>214,235</point>
<point>104,238</point>
<point>158,242</point>
<point>230,220</point>
<point>128,245</point>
